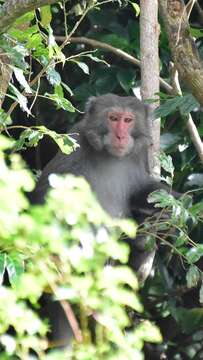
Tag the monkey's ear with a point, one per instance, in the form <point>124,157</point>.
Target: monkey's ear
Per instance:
<point>90,104</point>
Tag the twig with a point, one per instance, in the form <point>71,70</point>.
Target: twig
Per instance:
<point>72,320</point>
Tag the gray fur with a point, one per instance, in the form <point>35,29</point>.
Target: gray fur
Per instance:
<point>112,179</point>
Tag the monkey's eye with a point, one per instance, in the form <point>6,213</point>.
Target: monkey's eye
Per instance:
<point>128,119</point>
<point>113,117</point>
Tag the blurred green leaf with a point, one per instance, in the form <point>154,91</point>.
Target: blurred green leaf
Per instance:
<point>46,16</point>
<point>197,33</point>
<point>14,267</point>
<point>185,104</point>
<point>2,267</point>
<point>194,254</point>
<point>192,276</point>
<point>190,319</point>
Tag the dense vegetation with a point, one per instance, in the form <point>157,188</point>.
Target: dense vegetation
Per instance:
<point>61,248</point>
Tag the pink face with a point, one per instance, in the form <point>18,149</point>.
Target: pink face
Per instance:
<point>120,124</point>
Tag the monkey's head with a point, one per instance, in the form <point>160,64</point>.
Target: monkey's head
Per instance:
<point>115,123</point>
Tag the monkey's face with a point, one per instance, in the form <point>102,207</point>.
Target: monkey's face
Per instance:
<point>118,141</point>
<point>115,124</point>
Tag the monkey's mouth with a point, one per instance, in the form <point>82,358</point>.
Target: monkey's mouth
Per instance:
<point>120,150</point>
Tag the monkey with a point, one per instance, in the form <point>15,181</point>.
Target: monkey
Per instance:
<point>113,153</point>
<point>112,156</point>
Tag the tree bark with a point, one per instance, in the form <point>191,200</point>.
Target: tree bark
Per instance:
<point>5,75</point>
<point>182,45</point>
<point>13,9</point>
<point>149,37</point>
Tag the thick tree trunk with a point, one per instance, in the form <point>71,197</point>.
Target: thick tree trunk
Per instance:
<point>184,52</point>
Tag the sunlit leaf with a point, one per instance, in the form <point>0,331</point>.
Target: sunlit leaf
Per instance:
<point>21,79</point>
<point>136,8</point>
<point>53,76</point>
<point>46,16</point>
<point>21,99</point>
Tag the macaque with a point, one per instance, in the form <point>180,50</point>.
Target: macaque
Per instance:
<point>114,139</point>
<point>113,157</point>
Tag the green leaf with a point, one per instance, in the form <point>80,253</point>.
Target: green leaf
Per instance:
<point>96,59</point>
<point>67,88</point>
<point>201,294</point>
<point>188,104</point>
<point>28,138</point>
<point>167,163</point>
<point>59,90</point>
<point>194,254</point>
<point>197,209</point>
<point>185,104</point>
<point>197,33</point>
<point>24,35</point>
<point>190,320</point>
<point>16,54</point>
<point>20,98</point>
<point>46,15</point>
<point>27,18</point>
<point>66,143</point>
<point>2,267</point>
<point>4,118</point>
<point>61,102</point>
<point>181,240</point>
<point>192,276</point>
<point>21,79</point>
<point>162,199</point>
<point>82,66</point>
<point>136,8</point>
<point>53,76</point>
<point>14,267</point>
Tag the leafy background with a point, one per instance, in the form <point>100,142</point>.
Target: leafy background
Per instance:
<point>172,297</point>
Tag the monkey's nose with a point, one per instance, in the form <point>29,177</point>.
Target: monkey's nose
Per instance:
<point>120,137</point>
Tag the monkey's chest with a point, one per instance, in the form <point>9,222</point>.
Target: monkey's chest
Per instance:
<point>113,187</point>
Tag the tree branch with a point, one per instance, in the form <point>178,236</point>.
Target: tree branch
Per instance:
<point>13,9</point>
<point>120,53</point>
<point>182,45</point>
